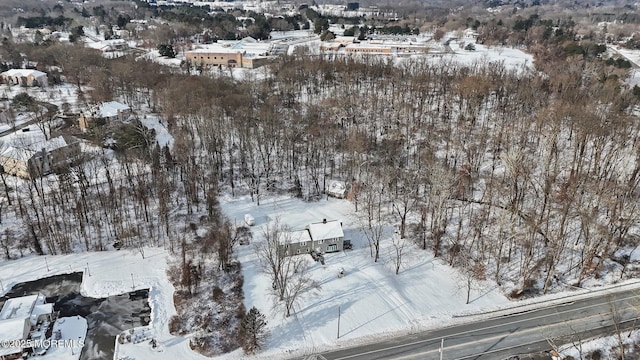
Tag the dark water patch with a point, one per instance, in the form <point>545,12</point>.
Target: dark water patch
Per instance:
<point>106,317</point>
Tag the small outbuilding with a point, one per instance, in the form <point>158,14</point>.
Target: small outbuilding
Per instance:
<point>337,189</point>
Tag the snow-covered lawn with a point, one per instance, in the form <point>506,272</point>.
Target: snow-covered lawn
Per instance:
<point>154,55</point>
<point>510,57</point>
<point>373,301</point>
<point>162,134</point>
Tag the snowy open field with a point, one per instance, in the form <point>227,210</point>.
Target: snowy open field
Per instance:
<point>511,58</point>
<point>373,300</point>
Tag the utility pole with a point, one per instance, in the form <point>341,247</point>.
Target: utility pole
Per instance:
<point>133,285</point>
<point>88,272</point>
<point>338,321</point>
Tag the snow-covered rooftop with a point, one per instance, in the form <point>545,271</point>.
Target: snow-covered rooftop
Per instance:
<point>12,329</point>
<point>41,309</point>
<point>73,331</point>
<point>337,188</point>
<point>110,109</point>
<point>247,46</point>
<point>295,237</point>
<point>14,315</point>
<point>105,44</point>
<point>326,230</point>
<point>20,308</point>
<point>23,73</point>
<point>25,142</point>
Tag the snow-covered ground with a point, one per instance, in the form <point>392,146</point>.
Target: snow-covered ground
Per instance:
<point>631,55</point>
<point>511,58</point>
<point>154,55</point>
<point>57,95</point>
<point>373,301</point>
<point>634,57</point>
<point>162,134</point>
<point>139,343</point>
<point>603,346</point>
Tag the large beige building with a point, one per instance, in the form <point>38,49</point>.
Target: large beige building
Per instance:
<point>245,53</point>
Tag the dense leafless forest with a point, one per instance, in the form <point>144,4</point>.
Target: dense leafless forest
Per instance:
<point>514,169</point>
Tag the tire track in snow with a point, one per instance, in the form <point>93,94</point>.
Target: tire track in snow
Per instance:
<point>396,305</point>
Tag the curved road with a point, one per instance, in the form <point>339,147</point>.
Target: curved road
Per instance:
<point>520,332</point>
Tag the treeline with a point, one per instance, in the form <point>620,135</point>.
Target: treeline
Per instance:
<point>42,21</point>
<point>224,25</point>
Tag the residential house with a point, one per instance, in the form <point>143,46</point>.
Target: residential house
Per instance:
<point>295,242</point>
<point>106,111</point>
<point>23,318</point>
<point>327,236</point>
<point>24,77</point>
<point>321,237</point>
<point>29,153</point>
<point>112,45</point>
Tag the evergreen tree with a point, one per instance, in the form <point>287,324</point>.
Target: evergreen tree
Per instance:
<point>253,330</point>
<point>166,50</point>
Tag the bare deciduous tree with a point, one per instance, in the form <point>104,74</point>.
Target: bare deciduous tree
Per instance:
<point>288,273</point>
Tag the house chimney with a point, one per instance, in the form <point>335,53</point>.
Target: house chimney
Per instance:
<point>324,221</point>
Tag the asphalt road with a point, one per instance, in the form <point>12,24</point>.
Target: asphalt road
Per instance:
<point>516,333</point>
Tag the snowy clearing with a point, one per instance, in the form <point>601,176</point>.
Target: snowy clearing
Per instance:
<point>373,301</point>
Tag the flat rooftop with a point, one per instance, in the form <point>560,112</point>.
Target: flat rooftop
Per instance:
<point>19,308</point>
